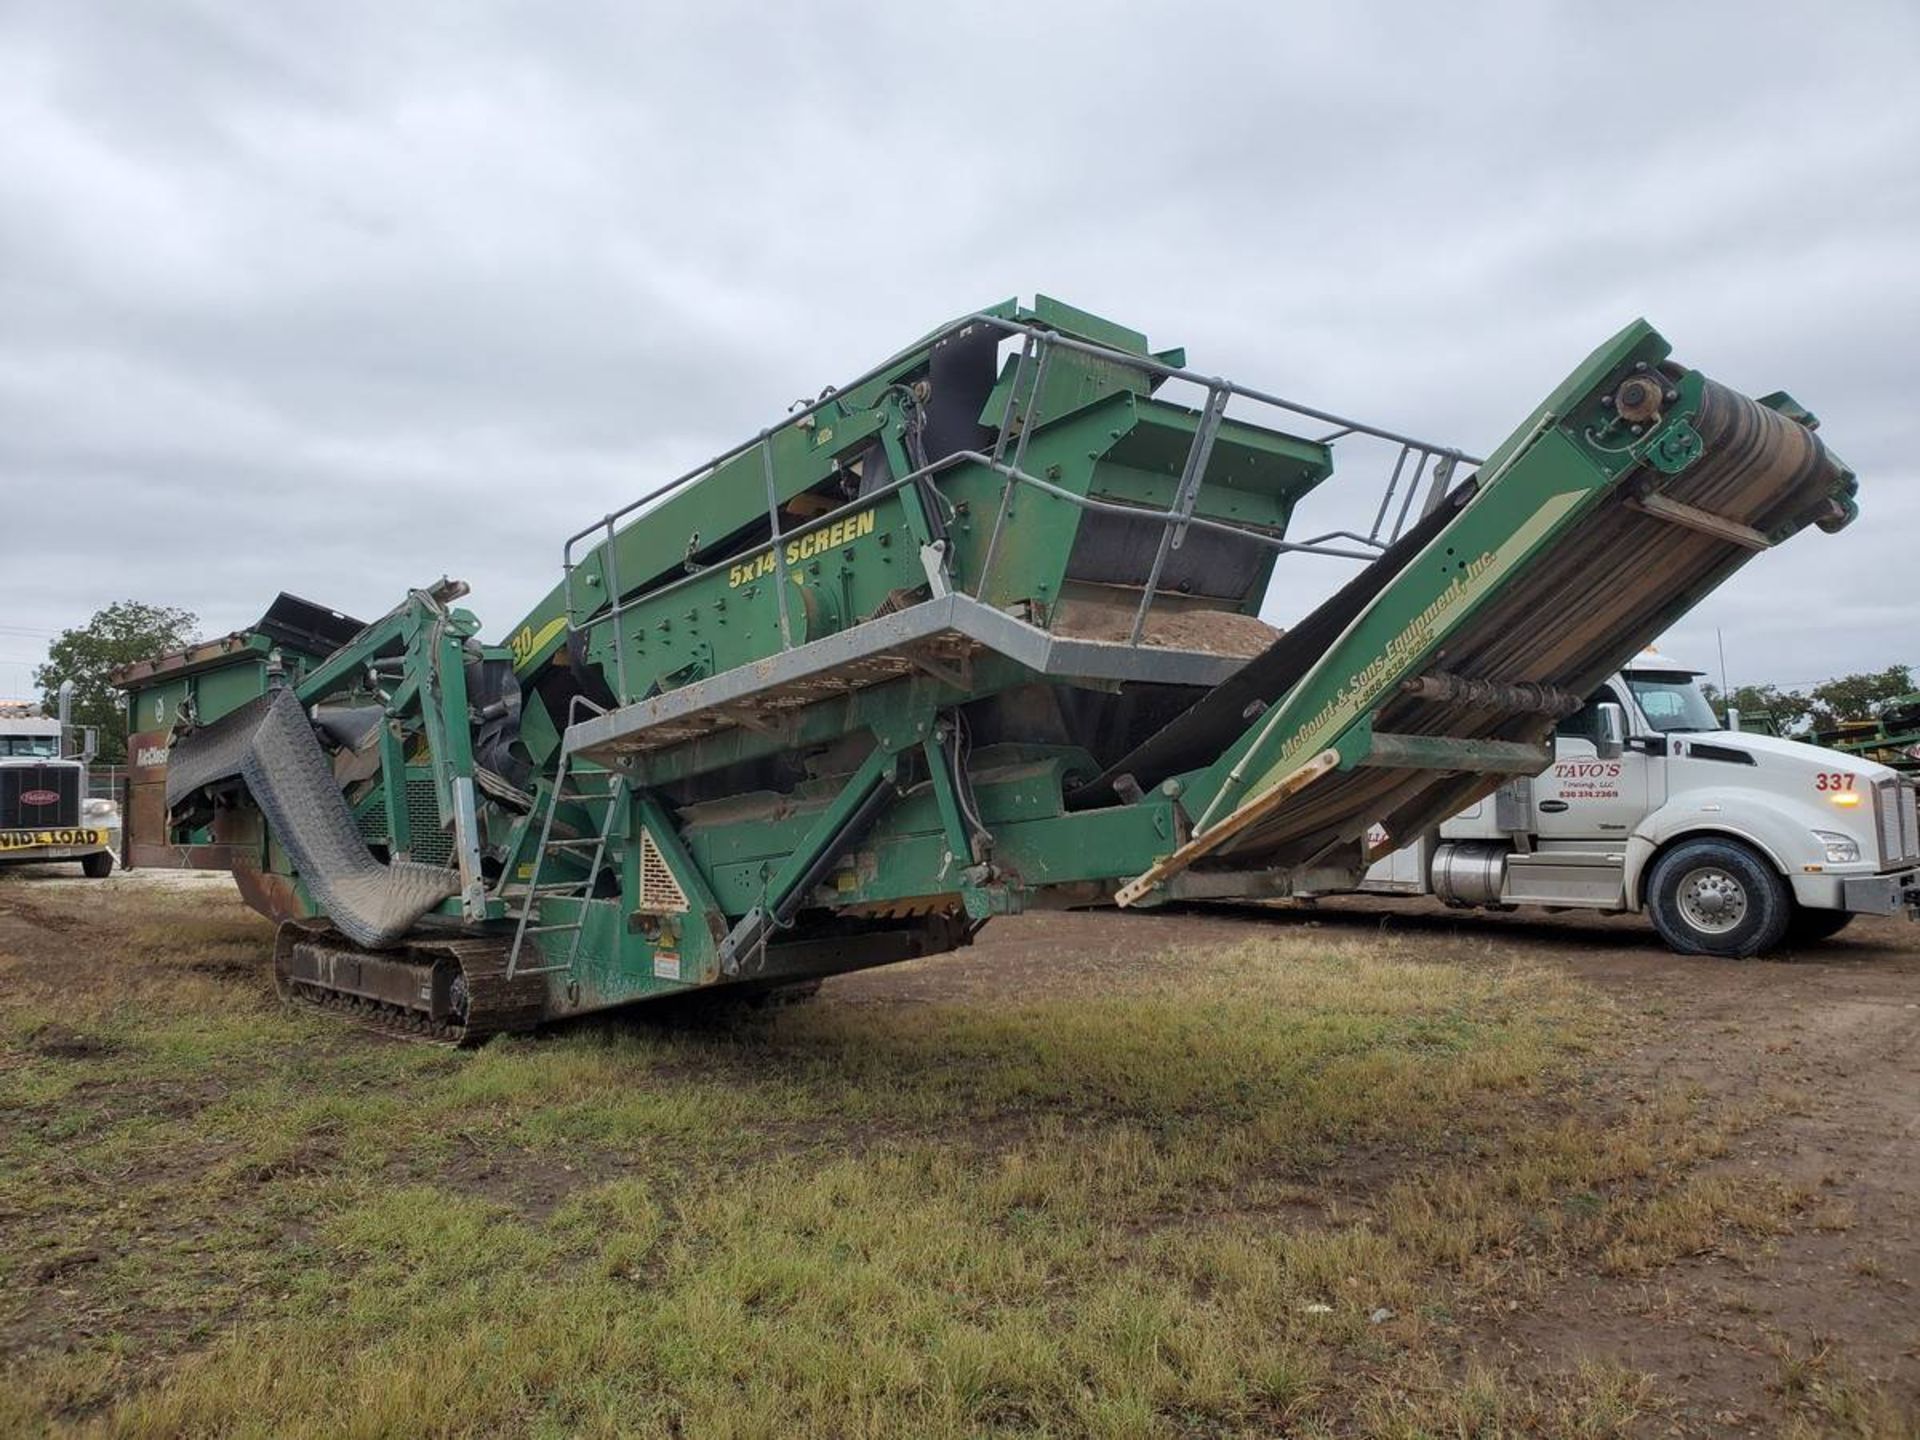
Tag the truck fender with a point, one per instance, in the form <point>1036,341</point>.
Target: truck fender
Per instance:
<point>1775,826</point>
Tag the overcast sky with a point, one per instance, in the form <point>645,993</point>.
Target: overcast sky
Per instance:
<point>336,298</point>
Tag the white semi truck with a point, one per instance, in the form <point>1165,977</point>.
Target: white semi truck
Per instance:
<point>1734,843</point>
<point>45,811</point>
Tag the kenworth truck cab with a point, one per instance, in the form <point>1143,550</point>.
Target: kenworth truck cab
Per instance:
<point>1732,842</point>
<point>45,811</point>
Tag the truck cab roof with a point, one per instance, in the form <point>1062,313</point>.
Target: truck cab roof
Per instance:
<point>1651,660</point>
<point>29,739</point>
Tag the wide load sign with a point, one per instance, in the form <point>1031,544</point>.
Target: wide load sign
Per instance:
<point>36,839</point>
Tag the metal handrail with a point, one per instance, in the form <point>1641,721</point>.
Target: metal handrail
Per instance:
<point>1173,528</point>
<point>818,522</point>
<point>1036,350</point>
<point>1275,543</point>
<point>1278,544</point>
<point>1054,337</point>
<point>1214,382</point>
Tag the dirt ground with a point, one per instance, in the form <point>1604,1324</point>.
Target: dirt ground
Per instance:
<point>1821,1051</point>
<point>1834,1031</point>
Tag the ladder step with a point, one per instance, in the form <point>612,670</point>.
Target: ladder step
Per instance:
<point>563,889</point>
<point>530,897</point>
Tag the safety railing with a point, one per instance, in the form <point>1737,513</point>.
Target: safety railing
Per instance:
<point>1433,464</point>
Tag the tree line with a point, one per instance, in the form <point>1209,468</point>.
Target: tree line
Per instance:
<point>124,633</point>
<point>1819,707</point>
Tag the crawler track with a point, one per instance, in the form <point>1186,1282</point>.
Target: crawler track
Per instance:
<point>443,991</point>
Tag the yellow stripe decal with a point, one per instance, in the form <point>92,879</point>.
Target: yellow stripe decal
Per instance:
<point>527,643</point>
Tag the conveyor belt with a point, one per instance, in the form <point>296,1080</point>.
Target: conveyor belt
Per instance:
<point>1624,574</point>
<point>1580,611</point>
<point>1568,616</point>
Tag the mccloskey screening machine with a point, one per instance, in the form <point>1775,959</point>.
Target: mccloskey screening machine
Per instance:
<point>973,634</point>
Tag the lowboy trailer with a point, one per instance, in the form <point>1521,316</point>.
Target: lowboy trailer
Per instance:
<point>974,633</point>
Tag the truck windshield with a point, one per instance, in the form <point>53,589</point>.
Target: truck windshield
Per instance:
<point>1672,702</point>
<point>44,746</point>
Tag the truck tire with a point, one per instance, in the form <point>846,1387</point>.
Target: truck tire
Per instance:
<point>1714,896</point>
<point>1810,927</point>
<point>98,865</point>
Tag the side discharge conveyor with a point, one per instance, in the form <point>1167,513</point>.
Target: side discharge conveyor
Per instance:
<point>974,633</point>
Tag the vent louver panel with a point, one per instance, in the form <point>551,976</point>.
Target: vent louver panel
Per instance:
<point>432,845</point>
<point>660,893</point>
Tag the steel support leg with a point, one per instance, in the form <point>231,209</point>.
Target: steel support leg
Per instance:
<point>869,791</point>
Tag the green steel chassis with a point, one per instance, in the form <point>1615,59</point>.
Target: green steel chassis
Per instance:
<point>733,621</point>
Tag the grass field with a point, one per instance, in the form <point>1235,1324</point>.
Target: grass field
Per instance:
<point>1288,1186</point>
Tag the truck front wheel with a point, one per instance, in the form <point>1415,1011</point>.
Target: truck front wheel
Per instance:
<point>98,865</point>
<point>1718,897</point>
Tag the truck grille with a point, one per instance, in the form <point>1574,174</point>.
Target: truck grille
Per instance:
<point>1897,809</point>
<point>19,781</point>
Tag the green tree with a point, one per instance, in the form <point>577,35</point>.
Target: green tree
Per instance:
<point>1859,697</point>
<point>124,632</point>
<point>1786,709</point>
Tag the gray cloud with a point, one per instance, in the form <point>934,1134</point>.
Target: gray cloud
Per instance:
<point>338,297</point>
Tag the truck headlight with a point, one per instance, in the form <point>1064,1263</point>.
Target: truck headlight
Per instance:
<point>1841,849</point>
<point>95,808</point>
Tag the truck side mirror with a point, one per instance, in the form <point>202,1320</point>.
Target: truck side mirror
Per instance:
<point>1612,739</point>
<point>89,744</point>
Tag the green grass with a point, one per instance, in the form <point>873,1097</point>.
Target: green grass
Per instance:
<point>1175,1208</point>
